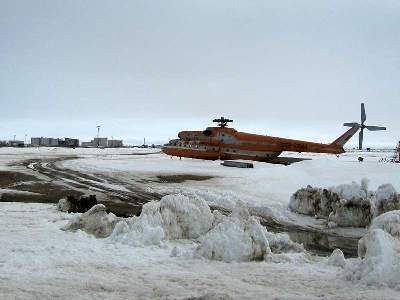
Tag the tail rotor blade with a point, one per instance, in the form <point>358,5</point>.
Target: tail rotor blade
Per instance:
<point>360,139</point>
<point>375,128</point>
<point>350,124</point>
<point>363,115</point>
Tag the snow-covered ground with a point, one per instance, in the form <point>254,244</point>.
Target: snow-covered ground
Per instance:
<point>39,260</point>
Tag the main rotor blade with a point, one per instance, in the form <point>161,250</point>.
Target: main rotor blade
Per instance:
<point>360,138</point>
<point>351,124</point>
<point>375,128</point>
<point>363,115</point>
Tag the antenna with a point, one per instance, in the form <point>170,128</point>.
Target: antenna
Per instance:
<point>222,122</point>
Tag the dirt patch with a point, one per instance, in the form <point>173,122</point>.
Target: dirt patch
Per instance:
<point>8,179</point>
<point>182,178</point>
<point>45,192</point>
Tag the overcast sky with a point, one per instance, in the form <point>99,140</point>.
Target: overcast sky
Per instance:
<point>151,68</point>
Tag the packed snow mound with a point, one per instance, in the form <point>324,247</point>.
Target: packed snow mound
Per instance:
<point>356,212</point>
<point>344,205</point>
<point>64,205</point>
<point>147,229</point>
<point>184,217</point>
<point>337,259</point>
<point>173,217</point>
<point>281,243</point>
<point>388,222</point>
<point>239,237</point>
<point>386,199</point>
<point>95,221</point>
<point>352,191</point>
<point>314,201</point>
<point>379,262</point>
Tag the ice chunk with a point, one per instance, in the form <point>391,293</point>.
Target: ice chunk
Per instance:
<point>386,199</point>
<point>147,229</point>
<point>380,263</point>
<point>337,259</point>
<point>173,217</point>
<point>356,212</point>
<point>352,191</point>
<point>389,222</point>
<point>343,205</point>
<point>304,201</point>
<point>314,201</point>
<point>184,217</point>
<point>281,242</point>
<point>239,237</point>
<point>64,205</point>
<point>95,221</point>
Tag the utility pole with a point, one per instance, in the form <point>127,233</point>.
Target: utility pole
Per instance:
<point>98,135</point>
<point>25,138</point>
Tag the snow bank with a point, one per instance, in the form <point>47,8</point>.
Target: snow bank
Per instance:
<point>379,252</point>
<point>344,205</point>
<point>314,201</point>
<point>95,221</point>
<point>379,262</point>
<point>147,229</point>
<point>173,217</point>
<point>356,212</point>
<point>241,237</point>
<point>388,222</point>
<point>386,199</point>
<point>184,217</point>
<point>238,237</point>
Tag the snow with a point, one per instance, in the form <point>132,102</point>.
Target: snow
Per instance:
<point>95,221</point>
<point>142,259</point>
<point>238,237</point>
<point>379,253</point>
<point>388,222</point>
<point>337,259</point>
<point>386,199</point>
<point>173,217</point>
<point>64,205</point>
<point>38,260</point>
<point>379,262</point>
<point>184,217</point>
<point>345,205</point>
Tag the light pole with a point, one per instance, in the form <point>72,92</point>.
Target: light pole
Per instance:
<point>98,135</point>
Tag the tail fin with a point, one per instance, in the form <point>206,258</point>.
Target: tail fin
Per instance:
<point>345,137</point>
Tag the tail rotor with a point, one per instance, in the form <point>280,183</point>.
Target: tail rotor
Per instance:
<point>362,126</point>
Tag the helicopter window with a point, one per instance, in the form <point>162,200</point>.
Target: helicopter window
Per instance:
<point>207,132</point>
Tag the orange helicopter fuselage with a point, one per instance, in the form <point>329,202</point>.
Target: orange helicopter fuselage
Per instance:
<point>228,144</point>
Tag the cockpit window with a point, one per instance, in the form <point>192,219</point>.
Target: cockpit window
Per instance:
<point>207,132</point>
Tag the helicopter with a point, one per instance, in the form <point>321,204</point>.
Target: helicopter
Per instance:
<point>223,143</point>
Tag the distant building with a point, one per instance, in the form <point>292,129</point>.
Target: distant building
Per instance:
<point>87,144</point>
<point>35,141</point>
<point>115,143</point>
<point>53,142</point>
<point>16,143</point>
<point>73,143</point>
<point>100,142</point>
